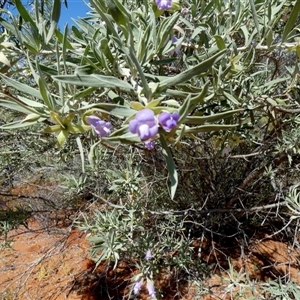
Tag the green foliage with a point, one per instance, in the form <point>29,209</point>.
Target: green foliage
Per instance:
<point>233,153</point>
<point>142,76</point>
<point>282,290</point>
<point>109,233</point>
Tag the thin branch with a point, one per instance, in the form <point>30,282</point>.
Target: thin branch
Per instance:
<point>204,211</point>
<point>219,210</point>
<point>244,156</point>
<point>246,48</point>
<point>288,111</point>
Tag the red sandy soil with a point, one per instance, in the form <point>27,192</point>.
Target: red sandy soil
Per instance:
<point>53,263</point>
<point>49,260</point>
<point>41,263</point>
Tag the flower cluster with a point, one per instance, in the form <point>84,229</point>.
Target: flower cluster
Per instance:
<point>138,284</point>
<point>137,287</point>
<point>164,4</point>
<point>177,49</point>
<point>101,127</point>
<point>148,255</point>
<point>145,124</point>
<point>167,120</point>
<point>150,287</point>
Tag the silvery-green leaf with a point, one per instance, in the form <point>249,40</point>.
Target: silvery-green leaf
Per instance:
<point>113,109</point>
<point>196,120</point>
<point>22,87</point>
<point>209,128</point>
<point>127,138</point>
<point>62,137</point>
<point>31,118</point>
<point>4,59</point>
<point>170,166</point>
<point>55,15</point>
<point>95,80</point>
<point>190,73</point>
<point>17,125</point>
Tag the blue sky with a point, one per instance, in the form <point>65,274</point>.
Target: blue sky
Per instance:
<point>76,8</point>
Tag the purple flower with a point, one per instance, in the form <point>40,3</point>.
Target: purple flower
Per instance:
<point>101,127</point>
<point>184,11</point>
<point>148,255</point>
<point>163,4</point>
<point>144,124</point>
<point>150,145</point>
<point>177,49</point>
<point>137,287</point>
<point>150,289</point>
<point>168,120</point>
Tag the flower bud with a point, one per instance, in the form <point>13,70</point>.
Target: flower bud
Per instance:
<point>101,127</point>
<point>168,120</point>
